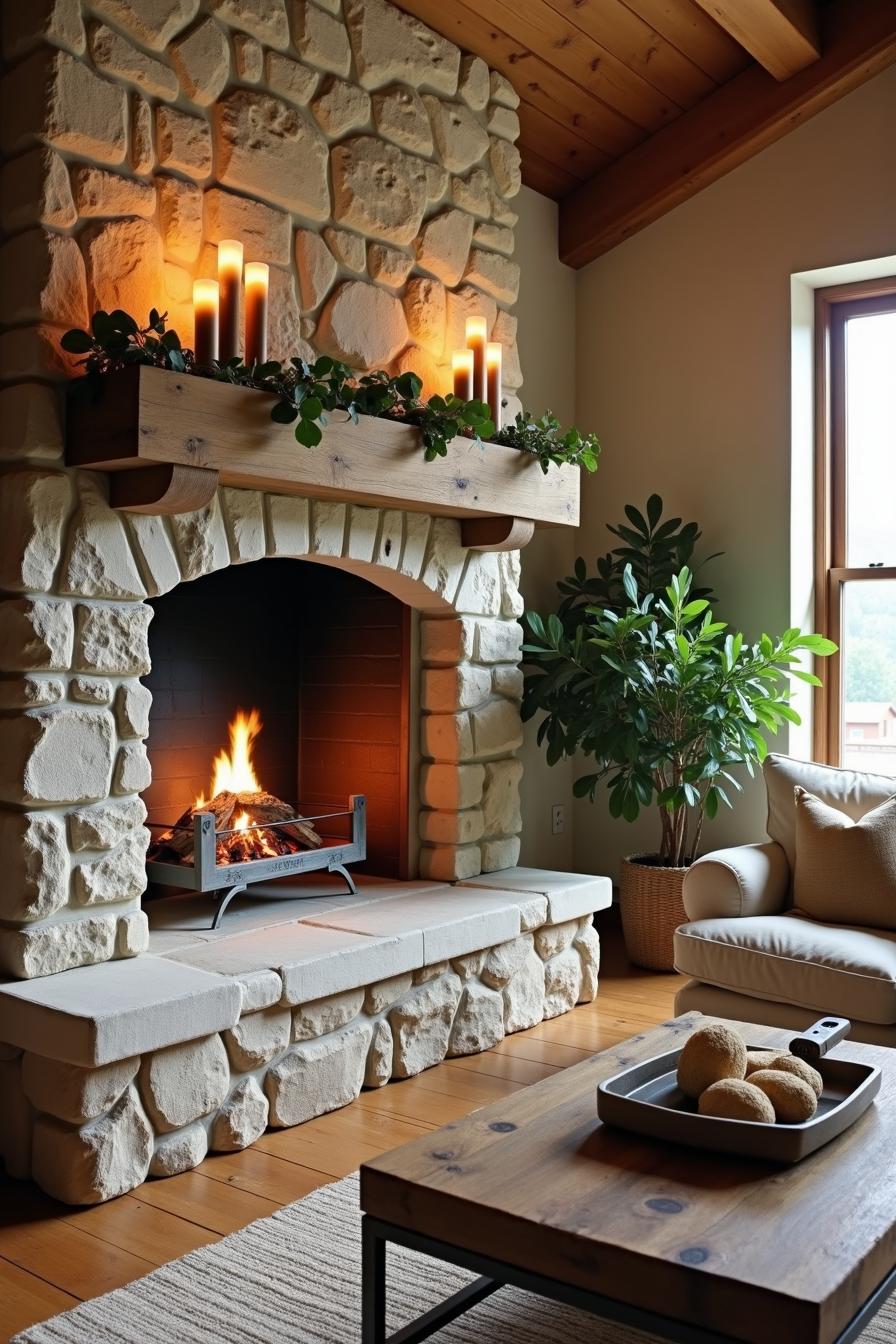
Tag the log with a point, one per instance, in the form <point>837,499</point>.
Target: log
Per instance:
<point>178,842</point>
<point>176,845</point>
<point>264,807</point>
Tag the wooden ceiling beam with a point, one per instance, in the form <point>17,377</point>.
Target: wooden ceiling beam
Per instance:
<point>782,35</point>
<point>727,128</point>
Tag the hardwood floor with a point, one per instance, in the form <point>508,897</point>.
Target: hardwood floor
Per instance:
<point>53,1256</point>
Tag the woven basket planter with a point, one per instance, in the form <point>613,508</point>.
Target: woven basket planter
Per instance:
<point>651,907</point>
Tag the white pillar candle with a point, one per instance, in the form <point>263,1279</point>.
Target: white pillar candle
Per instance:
<point>256,276</point>
<point>230,282</point>
<point>494,390</point>
<point>205,322</point>
<point>462,368</point>
<point>476,337</point>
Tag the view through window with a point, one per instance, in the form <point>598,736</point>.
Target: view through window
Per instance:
<point>859,577</point>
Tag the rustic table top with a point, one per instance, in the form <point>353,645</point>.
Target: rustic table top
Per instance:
<point>743,1247</point>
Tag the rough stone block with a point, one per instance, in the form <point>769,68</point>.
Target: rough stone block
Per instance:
<point>154,552</point>
<point>473,193</point>
<point>118,59</point>
<point>99,192</point>
<point>443,245</point>
<point>504,159</point>
<point>503,122</point>
<point>36,634</point>
<point>562,983</point>
<point>98,560</point>
<point>152,23</point>
<point>290,79</point>
<point>508,681</point>
<point>555,938</point>
<point>30,692</point>
<point>46,949</point>
<point>326,1015</point>
<point>53,94</point>
<point>500,964</point>
<point>264,19</point>
<point>473,82</point>
<point>112,640</point>
<point>258,1038</point>
<point>502,91</point>
<point>34,863</point>
<point>266,233</point>
<point>184,1082</point>
<point>384,993</point>
<point>43,279</point>
<point>268,149</point>
<point>316,266</point>
<point>496,728</point>
<point>287,525</point>
<point>447,737</point>
<point>259,989</point>
<point>401,117</point>
<point>388,265</point>
<point>451,787</point>
<point>447,689</point>
<point>180,1151</point>
<point>142,153</point>
<point>100,1161</point>
<point>103,826</point>
<point>55,756</point>
<point>378,189</point>
<point>448,640</point>
<point>501,797</point>
<point>500,854</point>
<point>248,55</point>
<point>425,309</point>
<point>320,38</point>
<point>341,106</point>
<point>499,239</point>
<point>496,275</point>
<point>378,1069</point>
<point>125,264</point>
<point>131,934</point>
<point>180,217</point>
<point>362,325</point>
<point>460,138</point>
<point>524,995</point>
<point>244,520</point>
<point>132,770</point>
<point>587,944</point>
<point>348,248</point>
<point>421,1025</point>
<point>391,45</point>
<point>452,828</point>
<point>318,1077</point>
<point>71,1092</point>
<point>479,1023</point>
<point>241,1120</point>
<point>120,875</point>
<point>450,863</point>
<point>35,189</point>
<point>201,540</point>
<point>183,143</point>
<point>327,527</point>
<point>202,60</point>
<point>132,704</point>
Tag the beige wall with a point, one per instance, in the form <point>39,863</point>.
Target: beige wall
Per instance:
<point>546,312</point>
<point>683,367</point>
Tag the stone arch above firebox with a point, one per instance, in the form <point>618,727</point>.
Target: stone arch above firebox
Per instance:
<point>72,840</point>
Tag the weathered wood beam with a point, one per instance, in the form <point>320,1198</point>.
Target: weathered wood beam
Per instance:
<point>166,488</point>
<point>496,534</point>
<point>782,35</point>
<point>727,128</point>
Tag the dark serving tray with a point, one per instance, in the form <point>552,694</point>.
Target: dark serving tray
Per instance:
<point>646,1099</point>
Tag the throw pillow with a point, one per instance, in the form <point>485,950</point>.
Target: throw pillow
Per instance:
<point>850,791</point>
<point>845,870</point>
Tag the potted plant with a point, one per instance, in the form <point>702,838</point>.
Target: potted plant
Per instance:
<point>666,701</point>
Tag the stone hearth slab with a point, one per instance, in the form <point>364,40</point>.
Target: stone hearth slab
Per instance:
<point>312,962</point>
<point>181,921</point>
<point>569,895</point>
<point>451,921</point>
<point>96,1015</point>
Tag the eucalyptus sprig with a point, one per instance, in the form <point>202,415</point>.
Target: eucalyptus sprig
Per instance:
<point>546,438</point>
<point>305,392</point>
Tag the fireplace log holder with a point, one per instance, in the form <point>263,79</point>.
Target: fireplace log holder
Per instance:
<point>227,880</point>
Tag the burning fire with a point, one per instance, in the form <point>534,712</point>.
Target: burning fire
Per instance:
<point>234,772</point>
<point>241,806</point>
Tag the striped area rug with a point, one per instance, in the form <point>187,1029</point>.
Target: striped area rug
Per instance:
<point>295,1278</point>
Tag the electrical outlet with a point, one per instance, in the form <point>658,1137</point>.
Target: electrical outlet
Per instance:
<point>558,819</point>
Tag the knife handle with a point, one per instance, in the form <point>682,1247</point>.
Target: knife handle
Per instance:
<point>821,1037</point>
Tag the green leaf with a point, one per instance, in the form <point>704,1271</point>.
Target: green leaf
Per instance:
<point>284,412</point>
<point>77,342</point>
<point>654,510</point>
<point>308,433</point>
<point>312,409</point>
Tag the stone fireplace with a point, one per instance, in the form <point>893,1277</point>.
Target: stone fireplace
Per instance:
<point>371,164</point>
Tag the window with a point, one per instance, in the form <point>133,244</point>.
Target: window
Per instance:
<point>856,524</point>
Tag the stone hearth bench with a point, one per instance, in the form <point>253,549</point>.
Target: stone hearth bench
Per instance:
<point>136,1068</point>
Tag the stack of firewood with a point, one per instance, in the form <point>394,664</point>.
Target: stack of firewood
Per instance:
<point>176,844</point>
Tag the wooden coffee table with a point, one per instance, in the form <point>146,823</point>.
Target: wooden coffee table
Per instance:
<point>697,1248</point>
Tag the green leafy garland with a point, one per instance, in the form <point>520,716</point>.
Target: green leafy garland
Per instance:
<point>305,392</point>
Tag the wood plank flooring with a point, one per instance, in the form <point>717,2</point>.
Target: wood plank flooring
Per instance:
<point>53,1256</point>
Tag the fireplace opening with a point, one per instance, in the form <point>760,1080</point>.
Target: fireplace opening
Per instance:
<point>280,691</point>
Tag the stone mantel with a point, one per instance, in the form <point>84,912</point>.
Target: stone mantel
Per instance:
<point>168,440</point>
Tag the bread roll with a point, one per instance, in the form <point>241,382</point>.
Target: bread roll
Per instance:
<point>712,1053</point>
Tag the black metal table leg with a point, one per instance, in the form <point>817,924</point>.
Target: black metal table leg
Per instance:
<point>373,1284</point>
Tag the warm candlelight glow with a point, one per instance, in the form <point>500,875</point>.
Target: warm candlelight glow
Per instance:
<point>494,391</point>
<point>462,368</point>
<point>257,276</point>
<point>205,322</point>
<point>476,337</point>
<point>230,279</point>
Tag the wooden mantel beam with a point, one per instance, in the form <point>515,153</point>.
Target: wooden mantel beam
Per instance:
<point>782,35</point>
<point>751,111</point>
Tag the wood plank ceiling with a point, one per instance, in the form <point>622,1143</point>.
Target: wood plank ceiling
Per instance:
<point>629,106</point>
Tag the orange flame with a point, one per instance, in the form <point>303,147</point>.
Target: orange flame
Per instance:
<point>233,770</point>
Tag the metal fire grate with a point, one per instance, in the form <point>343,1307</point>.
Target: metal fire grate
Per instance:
<point>206,875</point>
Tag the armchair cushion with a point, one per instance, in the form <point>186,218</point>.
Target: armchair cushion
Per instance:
<point>850,791</point>
<point>743,880</point>
<point>845,870</point>
<point>790,959</point>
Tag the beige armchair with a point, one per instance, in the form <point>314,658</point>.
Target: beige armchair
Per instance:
<point>752,956</point>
